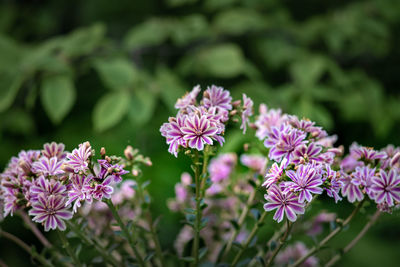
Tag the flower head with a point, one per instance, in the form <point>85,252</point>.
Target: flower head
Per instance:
<point>51,212</point>
<point>54,150</point>
<point>217,97</point>
<point>48,166</point>
<point>78,159</point>
<point>198,131</point>
<point>188,99</point>
<point>306,180</point>
<point>221,167</point>
<point>268,119</point>
<point>284,203</point>
<point>275,173</point>
<point>257,163</point>
<point>386,187</point>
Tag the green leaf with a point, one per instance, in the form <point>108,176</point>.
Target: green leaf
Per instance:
<point>308,71</point>
<point>239,21</point>
<point>58,96</point>
<point>10,83</point>
<point>118,73</point>
<point>222,61</point>
<point>189,28</point>
<point>110,109</point>
<point>149,33</point>
<point>170,86</point>
<point>142,106</point>
<point>83,41</point>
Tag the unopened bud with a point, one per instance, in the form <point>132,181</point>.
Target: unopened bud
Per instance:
<point>102,152</point>
<point>235,120</point>
<point>233,112</point>
<point>25,166</point>
<point>86,144</point>
<point>128,152</point>
<point>253,126</point>
<point>338,151</point>
<point>67,168</point>
<point>206,94</point>
<point>246,147</point>
<point>108,159</point>
<point>135,172</point>
<point>148,162</point>
<point>236,103</point>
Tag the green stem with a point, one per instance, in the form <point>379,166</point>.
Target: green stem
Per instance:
<point>249,238</point>
<point>329,237</point>
<point>281,243</point>
<point>67,248</point>
<point>195,250</point>
<point>242,218</point>
<point>27,248</point>
<point>349,246</point>
<point>125,231</point>
<point>99,248</point>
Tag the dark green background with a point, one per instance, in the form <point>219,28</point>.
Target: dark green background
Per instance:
<point>109,72</point>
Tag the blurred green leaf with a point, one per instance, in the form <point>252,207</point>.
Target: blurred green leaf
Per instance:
<point>110,110</point>
<point>83,40</point>
<point>10,83</point>
<point>17,121</point>
<point>142,106</point>
<point>308,71</point>
<point>239,21</point>
<point>170,87</point>
<point>189,28</point>
<point>58,96</point>
<point>223,61</point>
<point>149,33</point>
<point>117,73</point>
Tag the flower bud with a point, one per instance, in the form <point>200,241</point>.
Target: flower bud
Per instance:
<point>102,152</point>
<point>128,152</point>
<point>236,103</point>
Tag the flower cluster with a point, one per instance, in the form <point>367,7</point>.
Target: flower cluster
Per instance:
<point>47,182</point>
<point>303,155</point>
<point>197,125</point>
<point>372,173</point>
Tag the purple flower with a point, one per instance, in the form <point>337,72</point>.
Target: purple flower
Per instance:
<point>310,153</point>
<point>247,112</point>
<point>363,176</point>
<point>365,153</point>
<point>285,204</point>
<point>188,99</point>
<point>198,131</point>
<point>268,119</point>
<point>53,150</point>
<point>221,167</point>
<point>107,169</point>
<point>306,180</point>
<point>332,183</point>
<point>283,142</point>
<point>307,126</point>
<point>78,190</point>
<point>100,190</point>
<point>47,166</point>
<point>351,188</point>
<point>42,186</point>
<point>78,159</point>
<point>386,187</point>
<point>51,212</point>
<point>217,97</point>
<point>255,162</point>
<point>275,173</point>
<point>173,133</point>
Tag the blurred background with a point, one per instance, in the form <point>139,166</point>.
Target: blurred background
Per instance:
<point>110,72</point>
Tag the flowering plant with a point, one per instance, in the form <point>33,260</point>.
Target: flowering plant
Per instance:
<point>226,200</point>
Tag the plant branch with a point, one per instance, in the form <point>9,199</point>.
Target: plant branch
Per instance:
<point>249,238</point>
<point>26,247</point>
<point>329,237</point>
<point>125,231</point>
<point>35,230</point>
<point>349,246</point>
<point>281,243</point>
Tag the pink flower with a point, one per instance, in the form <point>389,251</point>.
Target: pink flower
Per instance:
<point>217,97</point>
<point>188,99</point>
<point>284,203</point>
<point>198,131</point>
<point>51,212</point>
<point>257,163</point>
<point>78,159</point>
<point>48,166</point>
<point>386,187</point>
